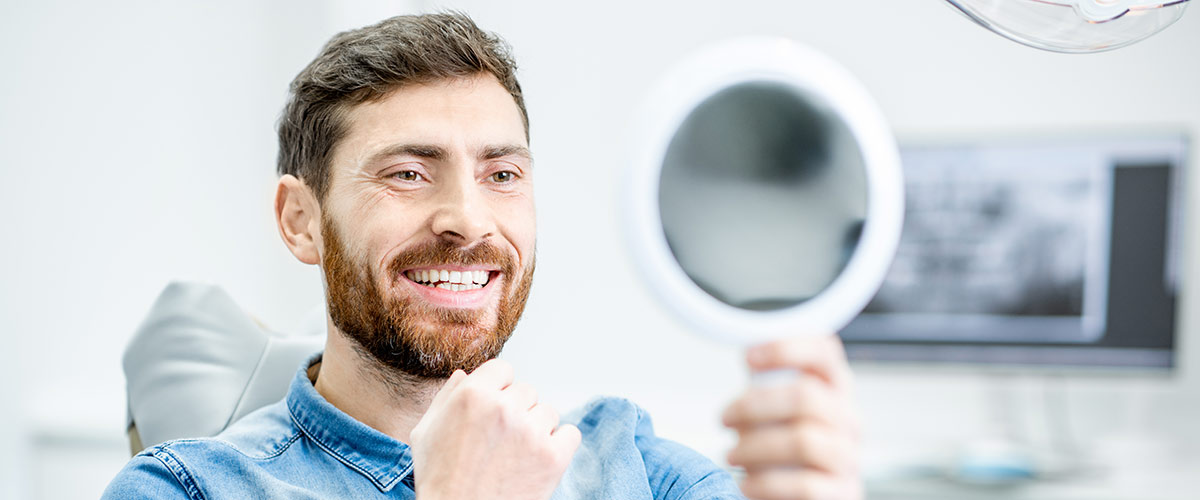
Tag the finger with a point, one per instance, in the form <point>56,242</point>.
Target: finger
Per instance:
<point>796,445</point>
<point>800,484</point>
<point>455,379</point>
<point>494,374</point>
<point>802,399</point>
<point>822,356</point>
<point>544,417</point>
<point>520,395</point>
<point>565,439</point>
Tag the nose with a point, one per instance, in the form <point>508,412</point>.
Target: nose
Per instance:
<point>463,214</point>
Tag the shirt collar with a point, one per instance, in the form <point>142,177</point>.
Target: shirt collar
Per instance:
<point>381,458</point>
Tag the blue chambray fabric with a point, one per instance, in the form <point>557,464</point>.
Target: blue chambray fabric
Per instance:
<point>303,447</point>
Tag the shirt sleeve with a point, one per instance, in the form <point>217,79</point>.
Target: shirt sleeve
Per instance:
<point>147,476</point>
<point>676,472</point>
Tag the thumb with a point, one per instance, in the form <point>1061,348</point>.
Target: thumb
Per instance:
<point>566,439</point>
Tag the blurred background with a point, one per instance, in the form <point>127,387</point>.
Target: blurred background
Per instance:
<point>137,147</point>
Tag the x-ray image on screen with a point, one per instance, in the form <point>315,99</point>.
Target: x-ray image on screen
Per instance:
<point>996,241</point>
<point>1047,251</point>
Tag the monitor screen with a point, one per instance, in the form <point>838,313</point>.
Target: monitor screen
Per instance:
<point>1033,252</point>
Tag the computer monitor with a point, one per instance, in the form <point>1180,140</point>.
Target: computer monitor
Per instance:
<point>1058,251</point>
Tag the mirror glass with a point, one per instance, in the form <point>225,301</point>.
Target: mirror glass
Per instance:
<point>763,195</point>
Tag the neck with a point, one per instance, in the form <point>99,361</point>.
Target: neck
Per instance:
<point>380,397</point>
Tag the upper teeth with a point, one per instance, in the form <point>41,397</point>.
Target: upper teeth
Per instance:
<point>450,280</point>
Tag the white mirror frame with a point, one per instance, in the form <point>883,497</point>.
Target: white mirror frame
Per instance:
<point>688,84</point>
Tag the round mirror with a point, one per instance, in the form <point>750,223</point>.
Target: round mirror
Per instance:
<point>766,198</point>
<point>762,196</point>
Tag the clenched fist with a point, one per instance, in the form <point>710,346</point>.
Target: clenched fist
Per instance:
<point>487,437</point>
<point>798,439</point>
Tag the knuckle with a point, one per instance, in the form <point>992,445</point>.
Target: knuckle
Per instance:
<point>751,486</point>
<point>801,394</point>
<point>736,410</point>
<point>507,417</point>
<point>526,390</point>
<point>576,435</point>
<point>734,456</point>
<point>781,354</point>
<point>470,393</point>
<point>806,489</point>
<point>551,414</point>
<point>815,388</point>
<point>543,452</point>
<point>473,398</point>
<point>774,484</point>
<point>801,439</point>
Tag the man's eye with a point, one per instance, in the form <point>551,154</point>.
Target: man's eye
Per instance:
<point>503,177</point>
<point>407,175</point>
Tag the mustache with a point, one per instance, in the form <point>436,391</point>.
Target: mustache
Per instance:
<point>440,252</point>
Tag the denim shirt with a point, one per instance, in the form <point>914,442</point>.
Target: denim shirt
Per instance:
<point>304,447</point>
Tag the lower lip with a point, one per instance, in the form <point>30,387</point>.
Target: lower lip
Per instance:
<point>463,299</point>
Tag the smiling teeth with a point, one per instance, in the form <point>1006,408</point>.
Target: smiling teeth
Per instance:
<point>455,281</point>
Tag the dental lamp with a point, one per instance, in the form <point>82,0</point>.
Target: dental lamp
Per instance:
<point>1073,26</point>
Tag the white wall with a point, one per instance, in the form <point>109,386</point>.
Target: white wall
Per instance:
<point>935,74</point>
<point>138,147</point>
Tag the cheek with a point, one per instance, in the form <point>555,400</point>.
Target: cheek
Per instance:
<point>519,222</point>
<point>384,234</point>
<point>373,235</point>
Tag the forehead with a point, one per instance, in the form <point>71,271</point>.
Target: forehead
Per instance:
<point>457,114</point>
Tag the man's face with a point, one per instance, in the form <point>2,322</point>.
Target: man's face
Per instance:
<point>428,226</point>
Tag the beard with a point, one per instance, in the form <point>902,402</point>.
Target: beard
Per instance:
<point>406,335</point>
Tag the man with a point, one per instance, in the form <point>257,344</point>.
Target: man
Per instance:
<point>406,176</point>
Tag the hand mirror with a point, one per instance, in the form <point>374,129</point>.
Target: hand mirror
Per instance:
<point>766,197</point>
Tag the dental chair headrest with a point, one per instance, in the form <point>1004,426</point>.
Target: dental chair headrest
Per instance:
<point>198,363</point>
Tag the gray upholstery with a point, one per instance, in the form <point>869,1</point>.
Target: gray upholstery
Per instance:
<point>198,363</point>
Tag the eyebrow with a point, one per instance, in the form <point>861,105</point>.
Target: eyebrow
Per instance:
<point>493,152</point>
<point>439,153</point>
<point>418,150</point>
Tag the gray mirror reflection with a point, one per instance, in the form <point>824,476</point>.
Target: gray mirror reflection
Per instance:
<point>763,195</point>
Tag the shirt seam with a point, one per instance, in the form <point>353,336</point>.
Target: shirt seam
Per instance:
<point>693,486</point>
<point>347,462</point>
<point>278,452</point>
<point>217,440</point>
<point>181,473</point>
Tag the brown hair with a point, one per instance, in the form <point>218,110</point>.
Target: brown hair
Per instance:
<point>366,64</point>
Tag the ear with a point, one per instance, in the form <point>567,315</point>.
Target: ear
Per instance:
<point>299,218</point>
